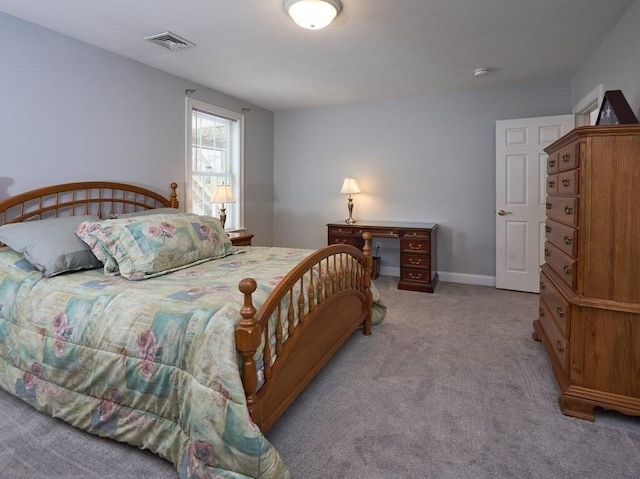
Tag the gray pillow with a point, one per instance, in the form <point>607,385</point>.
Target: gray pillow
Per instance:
<point>155,211</point>
<point>51,245</point>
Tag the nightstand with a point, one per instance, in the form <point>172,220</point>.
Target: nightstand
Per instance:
<point>240,238</point>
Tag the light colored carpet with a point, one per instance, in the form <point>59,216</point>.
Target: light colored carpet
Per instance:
<point>450,385</point>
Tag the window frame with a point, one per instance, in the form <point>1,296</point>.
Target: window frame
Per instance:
<point>236,162</point>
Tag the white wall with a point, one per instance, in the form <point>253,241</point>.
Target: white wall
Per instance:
<point>422,159</point>
<point>73,112</point>
<point>616,62</point>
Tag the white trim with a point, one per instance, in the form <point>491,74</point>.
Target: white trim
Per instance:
<point>462,278</point>
<point>590,102</point>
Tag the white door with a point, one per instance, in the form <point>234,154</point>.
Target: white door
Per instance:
<point>521,168</point>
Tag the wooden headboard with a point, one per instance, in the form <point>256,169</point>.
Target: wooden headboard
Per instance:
<point>102,198</point>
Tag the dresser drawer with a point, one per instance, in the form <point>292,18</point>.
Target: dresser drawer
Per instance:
<point>561,263</point>
<point>418,245</point>
<point>562,236</point>
<point>558,342</point>
<point>563,209</point>
<point>415,275</point>
<point>568,182</point>
<point>552,184</point>
<point>569,157</point>
<point>415,260</point>
<point>552,163</point>
<point>559,307</point>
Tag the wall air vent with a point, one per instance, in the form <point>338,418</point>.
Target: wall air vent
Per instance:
<point>170,40</point>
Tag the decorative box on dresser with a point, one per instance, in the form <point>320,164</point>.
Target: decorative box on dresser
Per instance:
<point>589,315</point>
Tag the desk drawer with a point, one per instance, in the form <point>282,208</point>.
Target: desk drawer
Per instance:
<point>416,234</point>
<point>341,230</point>
<point>337,239</point>
<point>415,275</point>
<point>415,260</point>
<point>418,245</point>
<point>377,232</point>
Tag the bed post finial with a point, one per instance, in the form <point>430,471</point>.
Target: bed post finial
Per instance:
<point>368,262</point>
<point>248,342</point>
<point>174,197</point>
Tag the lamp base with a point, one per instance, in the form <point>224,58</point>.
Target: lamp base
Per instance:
<point>223,216</point>
<point>350,221</point>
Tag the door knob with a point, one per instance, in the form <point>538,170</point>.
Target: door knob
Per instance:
<point>503,212</point>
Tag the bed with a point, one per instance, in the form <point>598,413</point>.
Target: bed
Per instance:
<point>194,362</point>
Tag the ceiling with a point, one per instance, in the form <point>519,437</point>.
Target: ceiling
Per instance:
<point>375,49</point>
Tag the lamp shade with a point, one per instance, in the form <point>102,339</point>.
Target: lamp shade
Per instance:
<point>222,194</point>
<point>313,14</point>
<point>350,186</point>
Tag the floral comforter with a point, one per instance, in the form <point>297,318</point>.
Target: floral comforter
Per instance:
<point>152,363</point>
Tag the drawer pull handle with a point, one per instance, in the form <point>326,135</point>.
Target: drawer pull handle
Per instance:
<point>566,269</point>
<point>415,261</point>
<point>541,312</point>
<point>560,312</point>
<point>552,184</point>
<point>566,157</point>
<point>565,182</point>
<point>414,246</point>
<point>547,229</point>
<point>542,286</point>
<point>568,240</point>
<point>547,253</point>
<point>559,346</point>
<point>548,205</point>
<point>568,210</point>
<point>414,275</point>
<point>552,163</point>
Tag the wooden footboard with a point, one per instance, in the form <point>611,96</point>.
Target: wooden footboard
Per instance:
<point>316,307</point>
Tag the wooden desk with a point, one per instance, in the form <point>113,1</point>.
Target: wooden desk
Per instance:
<point>240,238</point>
<point>417,248</point>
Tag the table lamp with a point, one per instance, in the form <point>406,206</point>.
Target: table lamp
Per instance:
<point>223,194</point>
<point>350,186</point>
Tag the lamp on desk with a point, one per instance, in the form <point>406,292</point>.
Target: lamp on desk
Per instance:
<point>350,187</point>
<point>222,194</point>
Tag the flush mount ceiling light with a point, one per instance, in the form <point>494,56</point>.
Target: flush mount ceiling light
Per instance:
<point>312,14</point>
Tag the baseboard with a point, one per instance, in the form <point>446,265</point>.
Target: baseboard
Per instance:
<point>447,277</point>
<point>463,278</point>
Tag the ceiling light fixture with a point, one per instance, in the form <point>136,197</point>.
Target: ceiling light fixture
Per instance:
<point>480,72</point>
<point>312,14</point>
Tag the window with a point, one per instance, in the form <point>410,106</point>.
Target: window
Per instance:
<point>214,157</point>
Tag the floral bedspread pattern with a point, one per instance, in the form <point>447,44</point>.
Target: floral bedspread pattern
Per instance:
<point>163,376</point>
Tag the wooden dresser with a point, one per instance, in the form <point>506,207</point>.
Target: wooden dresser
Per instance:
<point>418,270</point>
<point>589,316</point>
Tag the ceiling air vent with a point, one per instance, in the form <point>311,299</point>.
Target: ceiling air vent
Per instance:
<point>170,40</point>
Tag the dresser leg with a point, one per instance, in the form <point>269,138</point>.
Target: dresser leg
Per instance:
<point>574,407</point>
